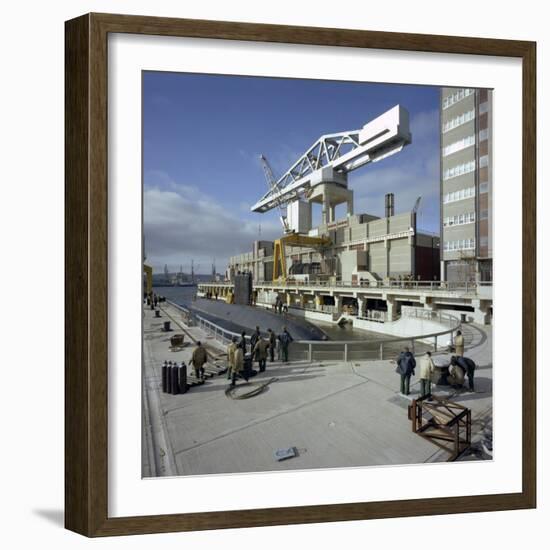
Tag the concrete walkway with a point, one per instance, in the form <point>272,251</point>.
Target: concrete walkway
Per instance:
<point>335,414</point>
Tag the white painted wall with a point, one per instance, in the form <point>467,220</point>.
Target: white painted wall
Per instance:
<point>31,98</point>
<point>312,315</point>
<point>405,326</point>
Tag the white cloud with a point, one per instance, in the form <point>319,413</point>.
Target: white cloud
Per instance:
<point>182,223</point>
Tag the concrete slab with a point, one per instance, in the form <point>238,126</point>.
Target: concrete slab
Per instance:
<point>336,414</point>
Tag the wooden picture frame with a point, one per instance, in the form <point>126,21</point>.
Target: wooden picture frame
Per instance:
<point>86,223</point>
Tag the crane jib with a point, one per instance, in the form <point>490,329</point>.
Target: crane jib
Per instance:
<point>333,156</point>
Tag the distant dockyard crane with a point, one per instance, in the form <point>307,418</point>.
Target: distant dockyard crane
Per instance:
<point>320,175</point>
<point>274,188</point>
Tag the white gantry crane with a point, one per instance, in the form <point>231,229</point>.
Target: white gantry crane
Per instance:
<point>320,175</point>
<point>332,157</point>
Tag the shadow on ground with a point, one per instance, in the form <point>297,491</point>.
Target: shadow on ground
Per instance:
<point>57,517</point>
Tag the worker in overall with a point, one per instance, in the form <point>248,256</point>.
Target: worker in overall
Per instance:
<point>285,339</point>
<point>468,366</point>
<point>231,349</point>
<point>260,352</point>
<point>242,342</point>
<point>456,375</point>
<point>406,364</point>
<point>272,344</point>
<point>199,359</point>
<point>238,365</point>
<point>253,339</point>
<point>427,368</point>
<point>459,343</point>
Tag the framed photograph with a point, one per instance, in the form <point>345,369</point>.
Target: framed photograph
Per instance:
<point>300,280</point>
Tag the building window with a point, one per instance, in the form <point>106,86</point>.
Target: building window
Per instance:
<point>460,219</point>
<point>456,96</point>
<point>484,187</point>
<point>484,134</point>
<point>461,244</point>
<point>458,121</point>
<point>459,145</point>
<point>459,170</point>
<point>483,242</point>
<point>483,214</point>
<point>483,107</point>
<point>483,161</point>
<point>459,195</point>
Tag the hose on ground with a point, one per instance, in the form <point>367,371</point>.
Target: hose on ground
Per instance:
<point>258,388</point>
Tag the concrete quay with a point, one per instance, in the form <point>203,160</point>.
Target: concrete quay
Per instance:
<point>472,300</point>
<point>335,413</point>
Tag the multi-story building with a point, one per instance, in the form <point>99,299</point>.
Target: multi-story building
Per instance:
<point>466,184</point>
<point>363,247</point>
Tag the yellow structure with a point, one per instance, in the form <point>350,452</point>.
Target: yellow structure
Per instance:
<point>293,239</point>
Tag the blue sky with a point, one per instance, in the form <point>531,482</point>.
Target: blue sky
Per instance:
<point>203,134</point>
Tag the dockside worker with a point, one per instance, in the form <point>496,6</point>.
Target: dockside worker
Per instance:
<point>459,343</point>
<point>260,352</point>
<point>199,359</point>
<point>285,339</point>
<point>455,378</point>
<point>231,349</point>
<point>469,366</point>
<point>272,344</point>
<point>406,364</point>
<point>253,339</point>
<point>242,342</point>
<point>238,365</point>
<point>427,368</point>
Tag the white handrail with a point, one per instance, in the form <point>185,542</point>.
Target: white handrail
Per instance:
<point>226,335</point>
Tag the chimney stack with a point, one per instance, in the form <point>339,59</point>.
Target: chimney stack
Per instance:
<point>389,205</point>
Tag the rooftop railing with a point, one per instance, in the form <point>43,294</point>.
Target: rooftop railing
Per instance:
<point>443,286</point>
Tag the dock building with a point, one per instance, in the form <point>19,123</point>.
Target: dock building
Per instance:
<point>364,268</point>
<point>362,247</point>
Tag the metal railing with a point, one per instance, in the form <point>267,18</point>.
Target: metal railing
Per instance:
<point>443,286</point>
<point>349,350</point>
<point>377,315</point>
<point>386,347</point>
<point>218,333</point>
<point>430,315</point>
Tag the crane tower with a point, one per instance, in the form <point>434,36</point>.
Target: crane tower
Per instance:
<point>320,175</point>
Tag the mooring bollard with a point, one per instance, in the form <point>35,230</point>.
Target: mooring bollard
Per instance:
<point>167,326</point>
<point>157,313</point>
<point>175,383</point>
<point>183,378</point>
<point>164,377</point>
<point>169,378</point>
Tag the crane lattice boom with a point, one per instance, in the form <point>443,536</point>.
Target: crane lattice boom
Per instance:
<point>339,153</point>
<point>274,188</point>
